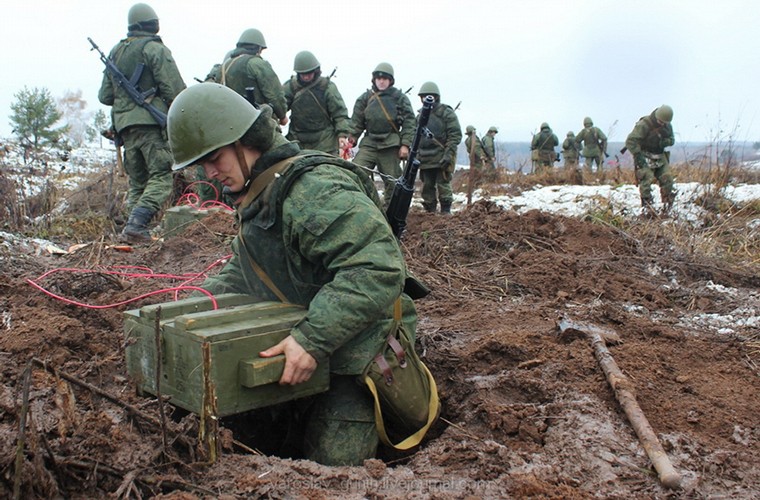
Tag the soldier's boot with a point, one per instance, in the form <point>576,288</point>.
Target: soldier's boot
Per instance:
<point>647,209</point>
<point>136,230</point>
<point>446,207</point>
<point>668,200</point>
<point>429,207</point>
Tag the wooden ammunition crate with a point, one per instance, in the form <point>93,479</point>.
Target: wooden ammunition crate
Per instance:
<point>209,359</point>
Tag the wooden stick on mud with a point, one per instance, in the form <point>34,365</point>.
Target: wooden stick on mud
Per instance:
<point>21,441</point>
<point>625,394</point>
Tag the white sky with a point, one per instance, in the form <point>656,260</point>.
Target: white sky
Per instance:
<point>513,64</point>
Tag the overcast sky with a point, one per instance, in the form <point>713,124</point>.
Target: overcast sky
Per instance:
<point>513,64</point>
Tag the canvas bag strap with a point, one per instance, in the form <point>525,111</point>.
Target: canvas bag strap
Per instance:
<point>263,276</point>
<point>385,111</point>
<point>416,438</point>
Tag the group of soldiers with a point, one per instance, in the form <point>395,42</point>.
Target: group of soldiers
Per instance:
<point>382,123</point>
<point>646,142</point>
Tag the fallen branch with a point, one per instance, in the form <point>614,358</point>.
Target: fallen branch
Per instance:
<point>21,439</point>
<point>625,395</point>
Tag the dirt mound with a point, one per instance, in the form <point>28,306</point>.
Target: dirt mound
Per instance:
<point>525,412</point>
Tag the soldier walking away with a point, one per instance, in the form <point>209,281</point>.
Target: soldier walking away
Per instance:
<point>542,149</point>
<point>317,218</point>
<point>571,154</point>
<point>647,142</point>
<point>438,152</point>
<point>318,116</point>
<point>594,145</point>
<point>246,72</point>
<point>489,146</point>
<point>147,158</point>
<point>386,118</point>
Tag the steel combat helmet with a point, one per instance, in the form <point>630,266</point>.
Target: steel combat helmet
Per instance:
<point>493,129</point>
<point>587,122</point>
<point>305,62</point>
<point>141,13</point>
<point>252,36</point>
<point>664,113</point>
<point>470,129</point>
<point>204,118</point>
<point>429,88</point>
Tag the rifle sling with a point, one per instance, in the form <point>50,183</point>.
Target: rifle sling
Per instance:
<point>385,111</point>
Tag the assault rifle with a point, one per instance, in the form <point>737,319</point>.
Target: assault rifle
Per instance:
<point>130,86</point>
<point>403,190</point>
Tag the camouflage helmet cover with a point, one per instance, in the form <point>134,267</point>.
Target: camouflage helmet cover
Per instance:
<point>141,13</point>
<point>204,118</point>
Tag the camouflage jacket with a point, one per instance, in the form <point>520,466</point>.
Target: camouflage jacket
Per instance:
<point>570,149</point>
<point>489,147</point>
<point>318,115</point>
<point>441,149</point>
<point>318,232</point>
<point>475,151</point>
<point>594,141</point>
<point>160,73</point>
<point>648,136</point>
<point>386,116</point>
<point>244,70</point>
<point>545,140</point>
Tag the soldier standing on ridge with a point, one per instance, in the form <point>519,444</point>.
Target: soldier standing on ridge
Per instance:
<point>489,146</point>
<point>318,115</point>
<point>594,145</point>
<point>147,157</point>
<point>385,116</point>
<point>571,154</point>
<point>438,153</point>
<point>542,149</point>
<point>647,142</point>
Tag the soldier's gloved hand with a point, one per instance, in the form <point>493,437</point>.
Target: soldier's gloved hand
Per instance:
<point>640,160</point>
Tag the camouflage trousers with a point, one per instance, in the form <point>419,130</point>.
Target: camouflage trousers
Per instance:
<point>436,186</point>
<point>589,163</point>
<point>387,162</point>
<point>658,170</point>
<point>148,162</point>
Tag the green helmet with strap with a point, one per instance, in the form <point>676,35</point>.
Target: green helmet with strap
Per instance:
<point>493,129</point>
<point>252,36</point>
<point>587,122</point>
<point>305,62</point>
<point>204,118</point>
<point>429,88</point>
<point>470,129</point>
<point>384,68</point>
<point>141,13</point>
<point>544,125</point>
<point>664,113</point>
<point>571,134</point>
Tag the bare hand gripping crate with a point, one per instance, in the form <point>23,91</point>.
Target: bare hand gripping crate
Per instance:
<point>209,359</point>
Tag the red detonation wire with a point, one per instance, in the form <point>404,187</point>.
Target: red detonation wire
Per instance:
<point>190,198</point>
<point>187,278</point>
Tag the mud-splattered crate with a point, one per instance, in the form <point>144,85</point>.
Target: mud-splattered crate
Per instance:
<point>207,360</point>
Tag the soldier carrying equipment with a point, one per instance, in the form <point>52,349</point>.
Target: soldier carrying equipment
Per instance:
<point>141,98</point>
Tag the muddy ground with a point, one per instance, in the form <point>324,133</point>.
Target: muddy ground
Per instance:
<point>526,413</point>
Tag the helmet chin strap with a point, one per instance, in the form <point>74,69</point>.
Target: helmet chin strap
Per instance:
<point>242,163</point>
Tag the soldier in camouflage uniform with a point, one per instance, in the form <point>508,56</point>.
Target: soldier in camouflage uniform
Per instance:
<point>571,154</point>
<point>475,150</point>
<point>489,146</point>
<point>594,145</point>
<point>318,115</point>
<point>147,158</point>
<point>542,149</point>
<point>248,74</point>
<point>314,225</point>
<point>647,142</point>
<point>438,154</point>
<point>386,118</point>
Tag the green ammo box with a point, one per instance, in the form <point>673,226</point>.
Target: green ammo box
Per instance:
<point>210,358</point>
